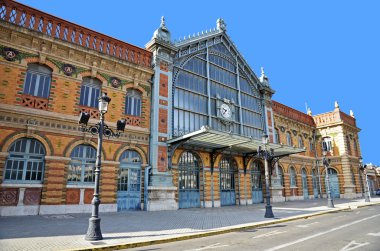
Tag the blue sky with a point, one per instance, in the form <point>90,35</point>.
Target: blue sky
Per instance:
<point>314,52</point>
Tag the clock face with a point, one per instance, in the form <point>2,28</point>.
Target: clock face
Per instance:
<point>225,111</point>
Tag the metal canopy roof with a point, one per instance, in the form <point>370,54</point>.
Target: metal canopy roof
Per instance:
<point>209,139</point>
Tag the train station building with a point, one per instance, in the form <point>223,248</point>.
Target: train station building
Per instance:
<point>195,114</point>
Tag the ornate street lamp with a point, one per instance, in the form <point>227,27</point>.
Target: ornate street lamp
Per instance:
<point>326,163</point>
<point>94,233</point>
<point>266,155</point>
<point>363,169</point>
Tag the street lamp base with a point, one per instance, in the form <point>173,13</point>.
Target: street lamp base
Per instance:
<point>330,203</point>
<point>367,199</point>
<point>268,212</point>
<point>94,233</point>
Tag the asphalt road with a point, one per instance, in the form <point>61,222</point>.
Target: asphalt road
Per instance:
<point>358,229</point>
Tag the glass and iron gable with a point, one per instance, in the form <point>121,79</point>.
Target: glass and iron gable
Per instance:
<point>205,81</point>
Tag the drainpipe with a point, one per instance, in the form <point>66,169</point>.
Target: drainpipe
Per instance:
<point>146,184</point>
<point>317,165</point>
<point>203,185</point>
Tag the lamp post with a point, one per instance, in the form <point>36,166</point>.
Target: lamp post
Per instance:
<point>94,233</point>
<point>326,163</point>
<point>363,169</point>
<point>266,155</point>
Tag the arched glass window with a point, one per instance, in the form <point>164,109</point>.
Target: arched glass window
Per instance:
<point>25,162</point>
<point>37,81</point>
<point>82,164</point>
<point>292,176</point>
<point>129,172</point>
<point>300,142</point>
<point>288,139</point>
<point>130,157</point>
<point>133,103</point>
<point>90,92</point>
<point>277,136</point>
<point>256,168</point>
<point>356,147</point>
<point>188,172</point>
<point>227,167</point>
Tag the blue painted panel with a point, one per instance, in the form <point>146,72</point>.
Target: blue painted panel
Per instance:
<point>257,196</point>
<point>227,198</point>
<point>315,186</point>
<point>189,199</point>
<point>304,187</point>
<point>257,188</point>
<point>334,185</point>
<point>128,201</point>
<point>129,188</point>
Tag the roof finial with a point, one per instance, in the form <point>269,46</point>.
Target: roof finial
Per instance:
<point>352,114</point>
<point>162,32</point>
<point>220,24</point>
<point>336,105</point>
<point>262,71</point>
<point>263,78</point>
<point>162,21</point>
<point>309,111</point>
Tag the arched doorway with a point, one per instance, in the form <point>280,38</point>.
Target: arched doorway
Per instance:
<point>129,182</point>
<point>304,184</point>
<point>256,182</point>
<point>227,169</point>
<point>188,180</point>
<point>334,183</point>
<point>315,183</point>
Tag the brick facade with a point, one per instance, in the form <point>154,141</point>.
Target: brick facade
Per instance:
<point>53,121</point>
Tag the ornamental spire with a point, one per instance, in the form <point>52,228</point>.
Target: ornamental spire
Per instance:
<point>163,22</point>
<point>220,24</point>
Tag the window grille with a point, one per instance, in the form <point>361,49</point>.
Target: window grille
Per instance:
<point>25,162</point>
<point>133,103</point>
<point>288,139</point>
<point>129,172</point>
<point>82,164</point>
<point>90,92</point>
<point>37,81</point>
<point>326,144</point>
<point>292,174</point>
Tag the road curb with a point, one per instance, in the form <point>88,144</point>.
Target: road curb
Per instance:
<point>212,232</point>
<point>369,205</point>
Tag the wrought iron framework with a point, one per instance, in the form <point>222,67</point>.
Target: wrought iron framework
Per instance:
<point>95,129</point>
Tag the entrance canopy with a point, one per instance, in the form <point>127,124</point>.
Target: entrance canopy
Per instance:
<point>211,140</point>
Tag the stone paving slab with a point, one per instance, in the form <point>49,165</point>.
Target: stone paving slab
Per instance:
<point>66,232</point>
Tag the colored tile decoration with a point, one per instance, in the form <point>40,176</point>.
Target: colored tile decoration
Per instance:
<point>72,196</point>
<point>115,82</point>
<point>88,195</point>
<point>10,54</point>
<point>68,69</point>
<point>32,196</point>
<point>8,196</point>
<point>55,27</point>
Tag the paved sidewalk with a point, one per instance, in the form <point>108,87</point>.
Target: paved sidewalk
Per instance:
<point>65,232</point>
